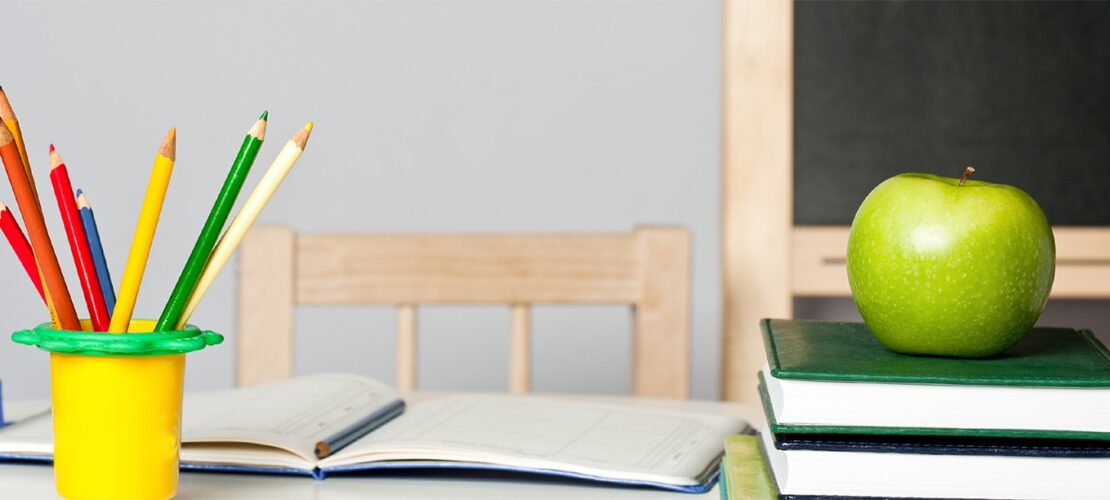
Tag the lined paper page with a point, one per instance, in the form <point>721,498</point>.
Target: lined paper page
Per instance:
<point>33,435</point>
<point>292,414</point>
<point>605,440</point>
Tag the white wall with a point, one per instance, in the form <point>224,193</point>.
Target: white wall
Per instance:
<point>430,116</point>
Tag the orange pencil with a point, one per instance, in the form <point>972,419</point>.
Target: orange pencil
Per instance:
<point>78,243</point>
<point>63,314</point>
<point>7,114</point>
<point>22,249</point>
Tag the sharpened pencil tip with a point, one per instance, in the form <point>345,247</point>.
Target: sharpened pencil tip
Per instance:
<point>258,130</point>
<point>265,115</point>
<point>6,112</point>
<point>169,144</point>
<point>55,158</point>
<point>6,136</point>
<point>79,192</point>
<point>301,137</point>
<point>82,200</point>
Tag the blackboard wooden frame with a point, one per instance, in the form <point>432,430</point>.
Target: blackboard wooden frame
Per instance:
<point>767,261</point>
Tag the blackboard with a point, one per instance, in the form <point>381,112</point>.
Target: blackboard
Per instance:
<point>1020,90</point>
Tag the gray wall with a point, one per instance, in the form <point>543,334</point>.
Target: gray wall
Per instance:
<point>430,116</point>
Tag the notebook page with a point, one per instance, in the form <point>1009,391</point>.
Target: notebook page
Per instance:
<point>293,414</point>
<point>33,435</point>
<point>588,438</point>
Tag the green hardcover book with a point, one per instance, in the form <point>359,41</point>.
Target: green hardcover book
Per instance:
<point>828,377</point>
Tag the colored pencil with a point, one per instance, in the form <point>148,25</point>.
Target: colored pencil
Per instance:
<point>21,247</point>
<point>9,118</point>
<point>7,115</point>
<point>57,294</point>
<point>144,234</point>
<point>246,216</point>
<point>225,200</point>
<point>78,244</point>
<point>88,220</point>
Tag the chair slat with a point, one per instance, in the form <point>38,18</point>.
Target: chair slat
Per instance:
<point>406,347</point>
<point>467,269</point>
<point>520,350</point>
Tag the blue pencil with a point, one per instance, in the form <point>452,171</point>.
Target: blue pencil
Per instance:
<point>97,251</point>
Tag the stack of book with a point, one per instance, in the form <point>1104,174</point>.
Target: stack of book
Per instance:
<point>848,417</point>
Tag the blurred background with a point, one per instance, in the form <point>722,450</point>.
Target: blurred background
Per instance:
<point>538,116</point>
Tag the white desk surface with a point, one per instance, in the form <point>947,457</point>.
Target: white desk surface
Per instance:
<point>34,481</point>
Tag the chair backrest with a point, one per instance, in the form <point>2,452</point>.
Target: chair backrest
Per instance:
<point>647,269</point>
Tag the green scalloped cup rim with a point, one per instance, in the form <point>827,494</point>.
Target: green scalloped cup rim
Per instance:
<point>138,341</point>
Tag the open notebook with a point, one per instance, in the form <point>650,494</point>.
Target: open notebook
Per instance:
<point>327,424</point>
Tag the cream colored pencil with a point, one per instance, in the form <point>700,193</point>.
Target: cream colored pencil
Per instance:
<point>246,216</point>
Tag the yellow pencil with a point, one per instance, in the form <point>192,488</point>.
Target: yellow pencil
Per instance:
<point>144,234</point>
<point>246,216</point>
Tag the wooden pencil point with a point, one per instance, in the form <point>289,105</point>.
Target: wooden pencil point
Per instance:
<point>169,145</point>
<point>55,158</point>
<point>6,112</point>
<point>82,200</point>
<point>258,130</point>
<point>301,137</point>
<point>6,136</point>
<point>265,115</point>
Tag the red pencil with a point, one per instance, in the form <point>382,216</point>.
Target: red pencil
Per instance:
<point>78,245</point>
<point>22,248</point>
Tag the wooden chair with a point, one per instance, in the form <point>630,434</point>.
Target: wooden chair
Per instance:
<point>648,269</point>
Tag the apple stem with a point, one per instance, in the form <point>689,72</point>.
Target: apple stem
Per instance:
<point>968,170</point>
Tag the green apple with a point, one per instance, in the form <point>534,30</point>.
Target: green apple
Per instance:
<point>950,267</point>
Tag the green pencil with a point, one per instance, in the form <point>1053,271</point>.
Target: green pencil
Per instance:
<point>212,227</point>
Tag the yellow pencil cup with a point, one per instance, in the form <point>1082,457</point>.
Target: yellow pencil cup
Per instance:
<point>117,407</point>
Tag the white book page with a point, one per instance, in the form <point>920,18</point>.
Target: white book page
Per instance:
<point>587,438</point>
<point>244,455</point>
<point>293,414</point>
<point>33,435</point>
<point>881,404</point>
